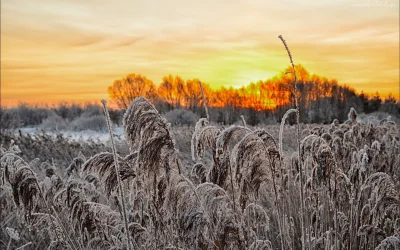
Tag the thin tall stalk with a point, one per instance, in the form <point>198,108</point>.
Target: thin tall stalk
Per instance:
<point>280,223</point>
<point>121,191</point>
<point>243,121</point>
<point>232,187</point>
<point>298,144</point>
<point>23,246</point>
<point>204,101</point>
<point>56,217</point>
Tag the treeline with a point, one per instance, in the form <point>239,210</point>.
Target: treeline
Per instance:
<point>320,99</point>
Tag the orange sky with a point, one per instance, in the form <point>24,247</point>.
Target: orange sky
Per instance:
<point>58,50</point>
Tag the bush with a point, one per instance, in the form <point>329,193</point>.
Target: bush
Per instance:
<point>181,117</point>
<point>9,120</point>
<point>23,116</point>
<point>92,110</point>
<point>95,123</point>
<point>53,122</point>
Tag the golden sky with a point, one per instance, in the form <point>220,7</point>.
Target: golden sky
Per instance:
<point>56,50</point>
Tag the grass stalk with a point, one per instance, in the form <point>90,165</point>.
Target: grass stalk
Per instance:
<point>298,144</point>
<point>121,191</point>
<point>204,101</point>
<point>243,121</point>
<point>271,164</point>
<point>23,246</point>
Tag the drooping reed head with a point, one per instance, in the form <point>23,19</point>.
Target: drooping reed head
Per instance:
<point>147,131</point>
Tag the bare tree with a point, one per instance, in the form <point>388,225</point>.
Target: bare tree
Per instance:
<point>124,91</point>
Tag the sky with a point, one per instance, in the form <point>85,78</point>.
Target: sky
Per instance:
<point>58,50</point>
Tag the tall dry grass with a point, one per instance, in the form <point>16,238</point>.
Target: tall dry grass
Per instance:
<point>247,198</point>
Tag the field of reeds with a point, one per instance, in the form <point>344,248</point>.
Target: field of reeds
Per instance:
<point>207,187</point>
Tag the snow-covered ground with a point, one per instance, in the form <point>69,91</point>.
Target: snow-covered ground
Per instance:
<point>78,135</point>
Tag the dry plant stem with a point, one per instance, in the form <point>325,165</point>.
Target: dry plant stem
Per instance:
<point>10,216</point>
<point>178,164</point>
<point>9,244</point>
<point>204,101</point>
<point>63,228</point>
<point>276,200</point>
<point>121,191</point>
<point>193,189</point>
<point>138,150</point>
<point>169,229</point>
<point>298,144</point>
<point>351,221</point>
<point>233,190</point>
<point>316,234</point>
<point>56,215</point>
<point>243,121</point>
<point>271,163</point>
<point>22,247</point>
<point>287,113</point>
<point>335,211</point>
<point>283,205</point>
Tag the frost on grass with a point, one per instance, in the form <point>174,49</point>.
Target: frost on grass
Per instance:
<point>247,197</point>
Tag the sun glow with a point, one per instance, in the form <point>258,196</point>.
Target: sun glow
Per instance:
<point>58,51</point>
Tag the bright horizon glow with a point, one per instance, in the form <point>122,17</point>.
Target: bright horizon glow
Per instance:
<point>70,51</point>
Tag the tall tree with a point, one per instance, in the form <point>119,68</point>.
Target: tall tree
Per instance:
<point>125,90</point>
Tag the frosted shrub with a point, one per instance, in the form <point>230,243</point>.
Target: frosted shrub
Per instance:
<point>181,117</point>
<point>95,123</point>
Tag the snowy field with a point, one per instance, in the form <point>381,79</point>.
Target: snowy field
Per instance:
<point>78,135</point>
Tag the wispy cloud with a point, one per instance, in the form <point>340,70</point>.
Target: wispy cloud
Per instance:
<point>58,45</point>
